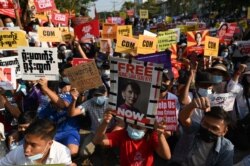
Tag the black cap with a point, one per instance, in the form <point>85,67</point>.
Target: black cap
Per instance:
<point>63,84</point>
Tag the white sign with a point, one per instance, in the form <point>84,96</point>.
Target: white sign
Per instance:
<point>225,100</point>
<point>11,61</point>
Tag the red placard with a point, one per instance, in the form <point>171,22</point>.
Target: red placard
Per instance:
<point>130,12</point>
<point>78,61</point>
<point>44,5</point>
<point>115,20</point>
<point>226,31</point>
<point>87,30</point>
<point>6,4</point>
<point>59,18</point>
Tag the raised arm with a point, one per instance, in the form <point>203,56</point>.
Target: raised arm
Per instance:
<point>73,110</point>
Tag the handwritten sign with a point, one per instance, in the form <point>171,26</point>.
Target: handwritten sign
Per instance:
<point>49,34</point>
<point>211,46</point>
<point>144,14</point>
<point>126,44</point>
<point>11,61</point>
<point>166,39</point>
<point>84,76</point>
<point>7,78</point>
<point>44,5</point>
<point>59,18</point>
<point>166,112</point>
<point>109,31</point>
<point>125,30</point>
<point>146,44</point>
<point>10,40</point>
<point>37,62</point>
<point>225,100</point>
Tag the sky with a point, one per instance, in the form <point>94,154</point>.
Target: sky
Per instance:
<point>106,5</point>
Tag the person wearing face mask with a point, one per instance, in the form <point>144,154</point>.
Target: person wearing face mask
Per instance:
<point>39,147</point>
<point>136,144</point>
<point>204,143</point>
<point>9,23</point>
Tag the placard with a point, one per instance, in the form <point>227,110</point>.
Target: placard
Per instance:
<point>11,61</point>
<point>109,31</point>
<point>106,46</point>
<point>146,44</point>
<point>243,48</point>
<point>84,76</point>
<point>211,46</point>
<point>196,41</point>
<point>144,14</point>
<point>144,80</point>
<point>37,62</point>
<point>225,100</point>
<point>78,61</point>
<point>166,39</point>
<point>126,45</point>
<point>115,20</point>
<point>7,78</point>
<point>10,40</point>
<point>124,30</point>
<point>87,30</point>
<point>226,31</point>
<point>44,5</point>
<point>166,112</point>
<point>59,18</point>
<point>6,4</point>
<point>49,34</point>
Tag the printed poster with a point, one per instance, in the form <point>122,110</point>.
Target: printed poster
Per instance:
<point>44,5</point>
<point>144,14</point>
<point>10,40</point>
<point>6,4</point>
<point>84,76</point>
<point>146,44</point>
<point>106,46</point>
<point>166,39</point>
<point>37,62</point>
<point>226,31</point>
<point>59,18</point>
<point>142,81</point>
<point>109,31</point>
<point>49,34</point>
<point>115,20</point>
<point>11,61</point>
<point>211,46</point>
<point>166,112</point>
<point>7,78</point>
<point>87,30</point>
<point>196,41</point>
<point>124,30</point>
<point>126,45</point>
<point>225,100</point>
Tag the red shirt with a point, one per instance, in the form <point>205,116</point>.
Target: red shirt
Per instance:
<point>134,152</point>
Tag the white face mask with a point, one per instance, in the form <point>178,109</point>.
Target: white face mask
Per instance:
<point>204,92</point>
<point>37,156</point>
<point>135,134</point>
<point>10,24</point>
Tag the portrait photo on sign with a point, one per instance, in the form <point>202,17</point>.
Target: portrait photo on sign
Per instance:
<point>133,95</point>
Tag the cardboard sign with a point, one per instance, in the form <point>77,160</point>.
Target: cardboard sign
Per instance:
<point>225,100</point>
<point>138,77</point>
<point>44,5</point>
<point>144,14</point>
<point>166,39</point>
<point>84,76</point>
<point>115,20</point>
<point>126,45</point>
<point>166,112</point>
<point>37,62</point>
<point>211,46</point>
<point>109,31</point>
<point>7,78</point>
<point>59,18</point>
<point>49,34</point>
<point>124,30</point>
<point>146,44</point>
<point>10,40</point>
<point>78,61</point>
<point>105,46</point>
<point>11,61</point>
<point>87,30</point>
<point>6,4</point>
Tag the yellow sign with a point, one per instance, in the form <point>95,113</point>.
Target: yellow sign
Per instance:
<point>144,14</point>
<point>146,44</point>
<point>248,13</point>
<point>49,34</point>
<point>10,40</point>
<point>123,15</point>
<point>168,19</point>
<point>109,31</point>
<point>126,45</point>
<point>211,46</point>
<point>166,39</point>
<point>124,30</point>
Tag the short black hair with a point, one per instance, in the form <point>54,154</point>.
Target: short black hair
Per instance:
<point>26,117</point>
<point>43,128</point>
<point>219,113</point>
<point>134,86</point>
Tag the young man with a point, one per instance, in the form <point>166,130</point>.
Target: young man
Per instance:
<point>204,143</point>
<point>39,147</point>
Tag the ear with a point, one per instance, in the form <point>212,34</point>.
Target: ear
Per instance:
<point>50,143</point>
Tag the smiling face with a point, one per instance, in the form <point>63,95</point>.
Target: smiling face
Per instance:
<point>130,96</point>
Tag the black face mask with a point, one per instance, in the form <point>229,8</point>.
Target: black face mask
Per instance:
<point>207,135</point>
<point>163,88</point>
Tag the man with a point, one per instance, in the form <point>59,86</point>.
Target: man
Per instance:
<point>204,143</point>
<point>39,147</point>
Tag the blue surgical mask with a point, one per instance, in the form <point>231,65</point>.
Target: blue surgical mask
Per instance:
<point>10,24</point>
<point>100,100</point>
<point>135,134</point>
<point>37,156</point>
<point>204,92</point>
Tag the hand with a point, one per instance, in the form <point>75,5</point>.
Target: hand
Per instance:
<point>107,117</point>
<point>193,68</point>
<point>74,93</point>
<point>160,128</point>
<point>202,103</point>
<point>43,82</point>
<point>242,68</point>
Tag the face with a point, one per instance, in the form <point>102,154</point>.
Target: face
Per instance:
<point>198,38</point>
<point>34,144</point>
<point>216,126</point>
<point>7,20</point>
<point>129,96</point>
<point>23,127</point>
<point>223,31</point>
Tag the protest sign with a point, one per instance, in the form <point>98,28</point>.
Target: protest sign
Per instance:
<point>196,41</point>
<point>166,112</point>
<point>59,18</point>
<point>124,30</point>
<point>211,46</point>
<point>226,31</point>
<point>87,30</point>
<point>7,78</point>
<point>143,14</point>
<point>146,44</point>
<point>44,5</point>
<point>78,61</point>
<point>115,20</point>
<point>148,33</point>
<point>41,16</point>
<point>37,62</point>
<point>130,12</point>
<point>105,46</point>
<point>144,79</point>
<point>243,48</point>
<point>49,34</point>
<point>11,61</point>
<point>225,100</point>
<point>10,40</point>
<point>109,31</point>
<point>84,76</point>
<point>166,39</point>
<point>126,45</point>
<point>6,4</point>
